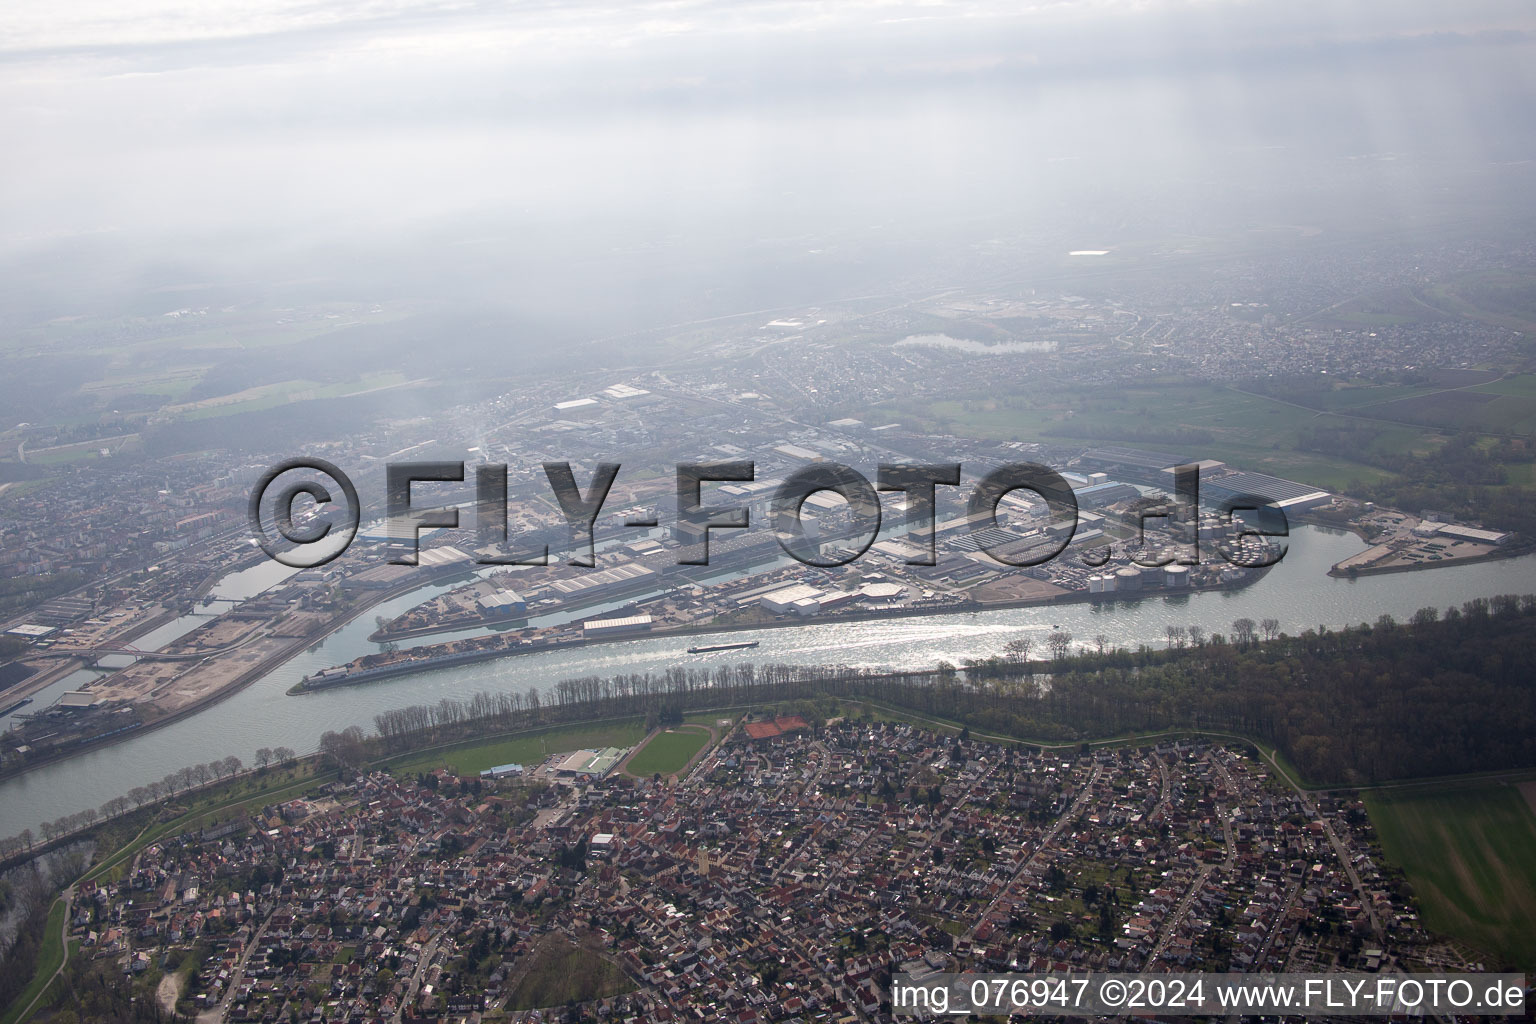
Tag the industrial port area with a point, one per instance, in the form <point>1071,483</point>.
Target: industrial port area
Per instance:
<point>1132,539</point>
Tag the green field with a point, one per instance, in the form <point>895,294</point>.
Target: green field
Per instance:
<point>1470,854</point>
<point>1203,420</point>
<point>1386,307</point>
<point>48,961</point>
<point>527,749</point>
<point>668,752</point>
<point>168,383</point>
<point>270,396</point>
<point>1167,411</point>
<point>1521,385</point>
<point>1503,297</point>
<point>1486,408</point>
<point>1276,432</point>
<point>558,972</point>
<point>1349,397</point>
<point>710,718</point>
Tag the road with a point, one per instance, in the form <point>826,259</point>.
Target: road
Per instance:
<point>1050,834</point>
<point>1229,865</point>
<point>220,1011</point>
<point>68,896</point>
<point>412,987</point>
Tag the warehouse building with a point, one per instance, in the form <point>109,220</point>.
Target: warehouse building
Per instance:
<point>504,604</point>
<point>1287,495</point>
<point>590,764</point>
<point>613,627</point>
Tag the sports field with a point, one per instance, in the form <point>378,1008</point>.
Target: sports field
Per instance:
<point>528,749</point>
<point>1470,854</point>
<point>669,751</point>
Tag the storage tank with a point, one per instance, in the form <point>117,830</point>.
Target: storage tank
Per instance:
<point>1175,576</point>
<point>1129,578</point>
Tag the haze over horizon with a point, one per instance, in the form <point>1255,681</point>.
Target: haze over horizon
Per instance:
<point>607,167</point>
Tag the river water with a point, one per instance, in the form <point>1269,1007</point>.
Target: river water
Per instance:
<point>1298,592</point>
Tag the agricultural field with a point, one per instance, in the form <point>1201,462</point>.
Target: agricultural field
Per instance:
<point>1437,408</point>
<point>55,455</point>
<point>1275,432</point>
<point>1470,854</point>
<point>165,383</point>
<point>1171,411</point>
<point>1349,397</point>
<point>1520,385</point>
<point>1391,307</point>
<point>1204,420</point>
<point>1506,298</point>
<point>669,751</point>
<point>527,749</point>
<point>1501,406</point>
<point>144,370</point>
<point>268,396</point>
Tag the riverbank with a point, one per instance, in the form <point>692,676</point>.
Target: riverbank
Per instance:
<point>164,614</point>
<point>1298,591</point>
<point>436,657</point>
<point>57,669</point>
<point>1343,570</point>
<point>257,670</point>
<point>664,573</point>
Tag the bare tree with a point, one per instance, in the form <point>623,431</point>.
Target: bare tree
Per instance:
<point>1060,642</point>
<point>283,754</point>
<point>1101,642</point>
<point>1271,628</point>
<point>1175,635</point>
<point>1018,648</point>
<point>263,757</point>
<point>1196,634</point>
<point>232,765</point>
<point>345,747</point>
<point>139,795</point>
<point>1243,631</point>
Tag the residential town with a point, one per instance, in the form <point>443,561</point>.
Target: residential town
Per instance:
<point>784,878</point>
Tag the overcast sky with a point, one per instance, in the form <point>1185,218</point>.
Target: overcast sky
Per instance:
<point>163,128</point>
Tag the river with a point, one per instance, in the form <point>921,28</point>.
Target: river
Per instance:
<point>1298,592</point>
